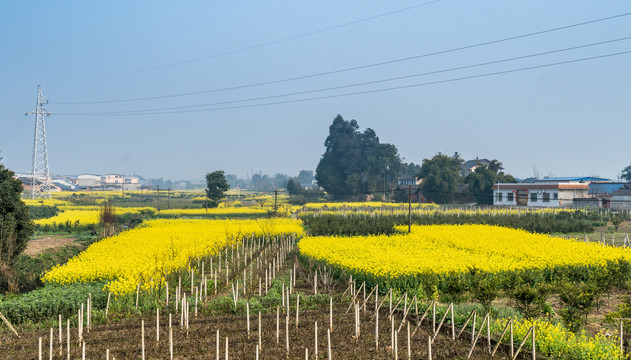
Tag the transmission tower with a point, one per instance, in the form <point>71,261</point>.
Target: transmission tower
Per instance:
<point>41,175</point>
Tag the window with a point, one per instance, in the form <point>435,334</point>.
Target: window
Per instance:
<point>499,197</point>
<point>509,197</point>
<point>533,196</point>
<point>546,197</point>
<point>555,196</point>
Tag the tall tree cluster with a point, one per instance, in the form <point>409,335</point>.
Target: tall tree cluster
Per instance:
<point>15,225</point>
<point>355,163</point>
<point>217,185</point>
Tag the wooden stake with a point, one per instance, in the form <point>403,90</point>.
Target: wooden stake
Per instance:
<point>158,325</point>
<point>60,338</point>
<point>315,342</point>
<point>226,358</point>
<point>137,295</point>
<point>429,347</point>
<point>331,313</point>
<point>50,350</point>
<point>277,323</point>
<point>142,325</point>
<point>171,341</point>
<point>247,315</point>
<point>68,338</point>
<point>523,342</point>
<point>297,308</point>
<point>40,348</point>
<point>376,330</point>
<point>328,339</point>
<point>287,335</point>
<point>260,346</point>
<point>218,343</point>
<point>409,347</point>
<point>8,324</point>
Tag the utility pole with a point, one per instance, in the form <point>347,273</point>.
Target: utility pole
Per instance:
<point>275,201</point>
<point>158,187</point>
<point>41,174</point>
<point>410,209</point>
<point>168,198</point>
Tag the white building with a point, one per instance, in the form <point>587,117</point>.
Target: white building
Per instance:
<point>89,180</point>
<point>548,194</point>
<point>621,198</point>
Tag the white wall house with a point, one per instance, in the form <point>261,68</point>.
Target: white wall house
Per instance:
<point>538,194</point>
<point>89,180</point>
<point>621,198</point>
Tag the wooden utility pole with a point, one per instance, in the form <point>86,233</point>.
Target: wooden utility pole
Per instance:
<point>158,187</point>
<point>410,209</point>
<point>275,201</point>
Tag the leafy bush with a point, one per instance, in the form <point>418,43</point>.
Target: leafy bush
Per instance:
<point>42,212</point>
<point>50,301</point>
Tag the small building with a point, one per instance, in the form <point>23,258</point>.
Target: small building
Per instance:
<point>573,179</point>
<point>469,166</point>
<point>407,180</point>
<point>88,180</point>
<point>545,194</point>
<point>113,179</point>
<point>621,198</point>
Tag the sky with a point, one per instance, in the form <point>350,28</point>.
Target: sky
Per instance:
<point>542,86</point>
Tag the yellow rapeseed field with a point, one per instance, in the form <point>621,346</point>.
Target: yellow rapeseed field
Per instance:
<point>452,249</point>
<point>243,211</point>
<point>146,254</point>
<point>86,215</point>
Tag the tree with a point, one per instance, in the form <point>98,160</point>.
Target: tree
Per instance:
<point>441,177</point>
<point>15,225</point>
<point>217,186</point>
<point>626,173</point>
<point>482,179</point>
<point>355,162</point>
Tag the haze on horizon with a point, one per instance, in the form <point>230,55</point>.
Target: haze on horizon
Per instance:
<point>563,113</point>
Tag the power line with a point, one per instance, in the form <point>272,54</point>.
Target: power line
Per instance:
<point>19,125</point>
<point>294,37</point>
<point>371,82</point>
<point>358,92</point>
<point>355,67</point>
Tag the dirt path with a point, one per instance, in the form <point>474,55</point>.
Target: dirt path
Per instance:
<point>36,246</point>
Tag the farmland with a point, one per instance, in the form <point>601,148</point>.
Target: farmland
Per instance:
<point>202,276</point>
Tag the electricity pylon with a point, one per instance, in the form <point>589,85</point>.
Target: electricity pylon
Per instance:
<point>41,174</point>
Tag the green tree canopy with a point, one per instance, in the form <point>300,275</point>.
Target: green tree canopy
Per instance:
<point>217,186</point>
<point>15,226</point>
<point>482,179</point>
<point>626,173</point>
<point>441,177</point>
<point>355,162</point>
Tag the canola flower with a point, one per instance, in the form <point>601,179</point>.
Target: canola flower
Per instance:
<point>220,211</point>
<point>453,249</point>
<point>146,254</point>
<point>556,341</point>
<point>86,215</point>
<point>381,209</point>
<point>46,202</point>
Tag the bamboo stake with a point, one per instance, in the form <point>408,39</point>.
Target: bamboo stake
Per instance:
<point>523,342</point>
<point>171,342</point>
<point>247,315</point>
<point>478,336</point>
<point>137,295</point>
<point>260,346</point>
<point>83,350</point>
<point>353,301</point>
<point>328,338</point>
<point>158,325</point>
<point>50,350</point>
<point>40,349</point>
<point>142,324</point>
<point>315,345</point>
<point>422,318</point>
<point>60,338</point>
<point>330,313</point>
<point>376,330</point>
<point>8,324</point>
<point>277,323</point>
<point>409,347</point>
<point>429,347</point>
<point>218,341</point>
<point>297,308</point>
<point>68,338</point>
<point>466,322</point>
<point>226,348</point>
<point>441,322</point>
<point>287,335</point>
<point>501,337</point>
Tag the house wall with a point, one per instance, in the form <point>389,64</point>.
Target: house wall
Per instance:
<point>89,180</point>
<point>565,197</point>
<point>621,202</point>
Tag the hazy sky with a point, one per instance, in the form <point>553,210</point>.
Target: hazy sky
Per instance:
<point>562,120</point>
